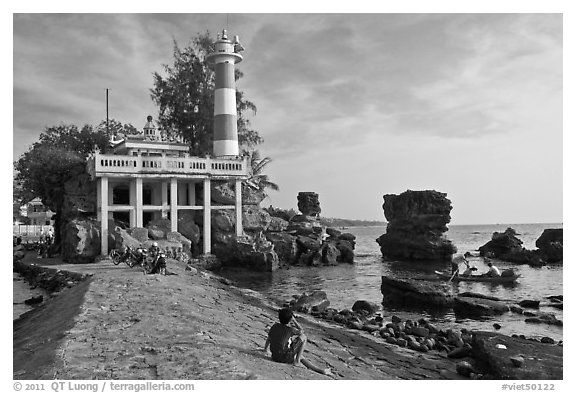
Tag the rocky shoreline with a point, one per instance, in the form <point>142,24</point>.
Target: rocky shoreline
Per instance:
<point>191,324</point>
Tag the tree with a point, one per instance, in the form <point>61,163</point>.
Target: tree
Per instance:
<point>185,97</point>
<point>114,127</point>
<point>256,178</point>
<point>44,169</point>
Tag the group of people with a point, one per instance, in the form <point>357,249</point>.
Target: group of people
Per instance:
<point>493,271</point>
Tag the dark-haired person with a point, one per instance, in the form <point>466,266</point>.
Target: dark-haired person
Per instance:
<point>286,342</point>
<point>492,271</point>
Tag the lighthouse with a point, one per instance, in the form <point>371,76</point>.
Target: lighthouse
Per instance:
<point>225,56</point>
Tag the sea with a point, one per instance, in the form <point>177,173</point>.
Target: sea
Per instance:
<point>346,283</point>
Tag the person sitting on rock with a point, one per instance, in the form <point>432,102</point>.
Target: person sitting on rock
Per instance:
<point>492,271</point>
<point>286,342</point>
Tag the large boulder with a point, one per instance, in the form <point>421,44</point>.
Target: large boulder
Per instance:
<point>495,351</point>
<point>157,229</point>
<point>346,251</point>
<point>254,253</point>
<point>79,194</point>
<point>550,244</point>
<point>478,307</point>
<point>81,240</point>
<point>330,254</point>
<point>417,222</point>
<point>284,245</point>
<point>308,203</point>
<point>223,221</point>
<point>317,300</point>
<point>277,224</point>
<point>255,218</point>
<point>507,247</point>
<point>502,244</point>
<point>410,292</point>
<point>224,193</point>
<point>119,238</point>
<point>140,234</point>
<point>187,227</point>
<point>177,237</point>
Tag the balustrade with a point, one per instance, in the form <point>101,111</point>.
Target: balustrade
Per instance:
<point>105,163</point>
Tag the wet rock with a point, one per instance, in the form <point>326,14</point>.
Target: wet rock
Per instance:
<point>396,319</point>
<point>464,368</point>
<point>355,325</point>
<point>332,232</point>
<point>547,340</point>
<point>330,254</point>
<point>34,300</point>
<point>207,262</point>
<point>420,331</point>
<point>528,313</point>
<point>478,295</point>
<point>476,307</point>
<point>364,305</point>
<point>546,318</point>
<point>406,291</point>
<point>516,309</point>
<point>391,340</point>
<point>529,303</point>
<point>346,250</point>
<point>461,352</point>
<point>497,326</point>
<point>316,298</point>
<point>550,244</point>
<point>370,328</point>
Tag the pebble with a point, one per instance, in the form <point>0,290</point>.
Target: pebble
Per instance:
<point>391,340</point>
<point>464,368</point>
<point>497,326</point>
<point>547,340</point>
<point>517,361</point>
<point>420,331</point>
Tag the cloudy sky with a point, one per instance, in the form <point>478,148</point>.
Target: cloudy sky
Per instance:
<point>351,106</point>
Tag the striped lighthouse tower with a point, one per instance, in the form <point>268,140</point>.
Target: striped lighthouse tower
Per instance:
<point>223,59</point>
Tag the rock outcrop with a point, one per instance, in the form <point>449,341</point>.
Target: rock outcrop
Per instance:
<point>417,222</point>
<point>507,247</point>
<point>410,292</point>
<point>309,204</point>
<point>81,242</point>
<point>550,245</point>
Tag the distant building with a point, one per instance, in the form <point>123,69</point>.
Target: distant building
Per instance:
<point>37,213</point>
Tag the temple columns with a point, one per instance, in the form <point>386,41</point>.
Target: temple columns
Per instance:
<point>207,223</point>
<point>102,196</point>
<point>174,204</point>
<point>239,228</point>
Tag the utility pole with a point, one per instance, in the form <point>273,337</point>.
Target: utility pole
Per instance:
<point>107,127</point>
